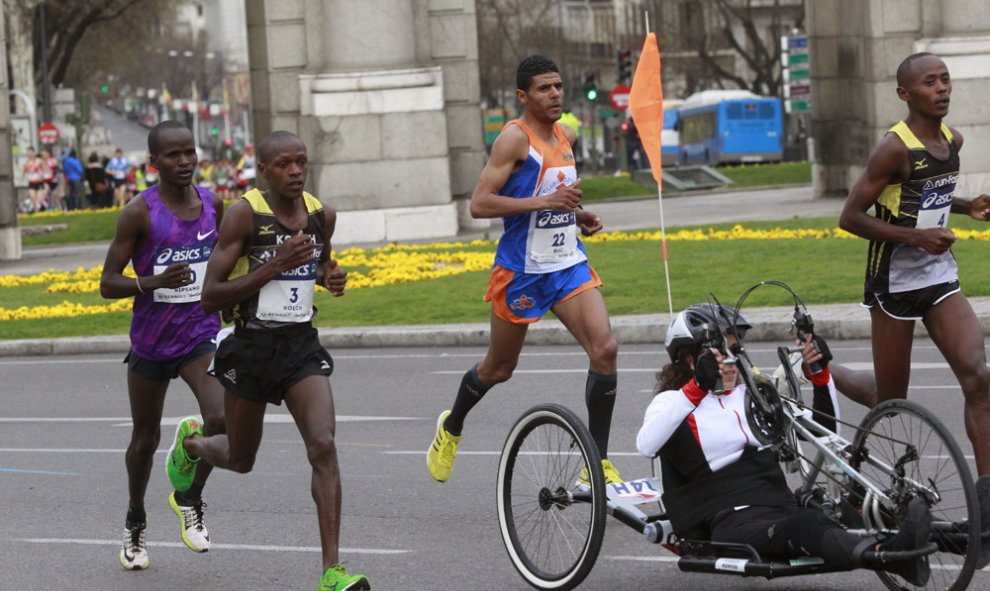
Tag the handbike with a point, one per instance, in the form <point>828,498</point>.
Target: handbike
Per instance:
<point>552,520</point>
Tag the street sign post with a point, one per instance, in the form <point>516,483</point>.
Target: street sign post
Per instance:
<point>48,134</point>
<point>619,97</point>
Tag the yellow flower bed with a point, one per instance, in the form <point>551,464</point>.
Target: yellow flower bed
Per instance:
<point>54,213</point>
<point>398,263</point>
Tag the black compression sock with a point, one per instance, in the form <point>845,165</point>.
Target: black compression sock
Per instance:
<point>599,395</point>
<point>136,515</point>
<point>191,496</point>
<point>468,395</point>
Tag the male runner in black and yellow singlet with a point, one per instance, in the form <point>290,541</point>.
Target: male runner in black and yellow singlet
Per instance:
<point>911,274</point>
<point>274,247</point>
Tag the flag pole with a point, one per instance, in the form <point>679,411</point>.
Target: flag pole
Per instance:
<point>663,229</point>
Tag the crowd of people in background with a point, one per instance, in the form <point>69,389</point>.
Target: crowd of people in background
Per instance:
<point>66,183</point>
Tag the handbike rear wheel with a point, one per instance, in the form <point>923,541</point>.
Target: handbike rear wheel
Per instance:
<point>552,526</point>
<point>936,470</point>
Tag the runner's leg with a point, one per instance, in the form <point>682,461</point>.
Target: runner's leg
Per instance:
<point>586,317</point>
<point>892,342</point>
<point>957,333</point>
<point>236,450</point>
<point>147,397</point>
<point>500,361</point>
<point>209,394</point>
<point>311,403</point>
<point>858,386</point>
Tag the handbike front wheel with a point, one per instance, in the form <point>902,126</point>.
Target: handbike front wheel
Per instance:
<point>551,524</point>
<point>903,436</point>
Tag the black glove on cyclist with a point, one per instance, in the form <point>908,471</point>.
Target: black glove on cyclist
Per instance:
<point>706,371</point>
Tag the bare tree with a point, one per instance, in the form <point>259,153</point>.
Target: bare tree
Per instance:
<point>68,22</point>
<point>509,30</point>
<point>745,29</point>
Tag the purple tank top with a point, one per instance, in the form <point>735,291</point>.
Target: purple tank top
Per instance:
<point>168,323</point>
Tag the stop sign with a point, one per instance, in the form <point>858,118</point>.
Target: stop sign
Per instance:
<point>48,134</point>
<point>619,97</point>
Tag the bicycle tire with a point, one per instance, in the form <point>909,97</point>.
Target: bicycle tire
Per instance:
<point>941,467</point>
<point>538,517</point>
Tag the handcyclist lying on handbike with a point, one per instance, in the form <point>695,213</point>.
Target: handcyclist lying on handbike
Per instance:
<point>721,485</point>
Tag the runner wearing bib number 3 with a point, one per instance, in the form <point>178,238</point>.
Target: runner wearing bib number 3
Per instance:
<point>168,232</point>
<point>540,265</point>
<point>910,180</point>
<point>274,248</point>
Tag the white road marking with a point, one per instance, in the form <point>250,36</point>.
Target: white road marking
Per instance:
<point>270,419</point>
<point>253,547</point>
<point>498,453</point>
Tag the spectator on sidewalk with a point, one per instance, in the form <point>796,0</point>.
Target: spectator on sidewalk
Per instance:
<point>73,170</point>
<point>100,191</point>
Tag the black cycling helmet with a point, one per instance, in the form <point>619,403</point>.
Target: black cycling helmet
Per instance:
<point>690,326</point>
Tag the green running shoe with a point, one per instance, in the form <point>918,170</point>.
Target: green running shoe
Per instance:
<point>337,579</point>
<point>179,465</point>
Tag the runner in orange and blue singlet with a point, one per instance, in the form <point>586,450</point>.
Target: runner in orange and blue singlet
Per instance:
<point>531,183</point>
<point>539,261</point>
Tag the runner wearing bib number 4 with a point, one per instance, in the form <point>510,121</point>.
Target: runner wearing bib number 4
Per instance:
<point>530,181</point>
<point>910,181</point>
<point>274,248</point>
<point>168,233</point>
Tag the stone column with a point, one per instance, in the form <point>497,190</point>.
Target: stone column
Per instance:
<point>856,47</point>
<point>365,85</point>
<point>10,234</point>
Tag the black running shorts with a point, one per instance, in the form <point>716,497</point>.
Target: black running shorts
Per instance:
<point>911,305</point>
<point>261,365</point>
<point>168,369</point>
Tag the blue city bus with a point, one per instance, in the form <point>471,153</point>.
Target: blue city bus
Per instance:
<point>670,149</point>
<point>747,129</point>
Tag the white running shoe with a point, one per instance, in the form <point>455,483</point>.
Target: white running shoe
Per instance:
<point>194,532</point>
<point>134,553</point>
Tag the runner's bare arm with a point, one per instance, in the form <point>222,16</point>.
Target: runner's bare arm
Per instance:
<point>330,275</point>
<point>509,151</point>
<point>132,226</point>
<point>887,164</point>
<point>219,291</point>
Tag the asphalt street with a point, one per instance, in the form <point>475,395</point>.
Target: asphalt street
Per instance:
<point>62,481</point>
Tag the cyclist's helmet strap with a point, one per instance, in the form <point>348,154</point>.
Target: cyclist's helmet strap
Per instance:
<point>688,328</point>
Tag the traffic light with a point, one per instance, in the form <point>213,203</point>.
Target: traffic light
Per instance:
<point>104,89</point>
<point>590,88</point>
<point>625,66</point>
<point>215,131</point>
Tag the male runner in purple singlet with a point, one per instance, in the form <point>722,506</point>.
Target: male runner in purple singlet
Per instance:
<point>168,233</point>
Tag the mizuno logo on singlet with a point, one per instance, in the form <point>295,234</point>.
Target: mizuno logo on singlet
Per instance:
<point>921,164</point>
<point>265,230</point>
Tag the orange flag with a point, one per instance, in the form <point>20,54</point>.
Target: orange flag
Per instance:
<point>646,102</point>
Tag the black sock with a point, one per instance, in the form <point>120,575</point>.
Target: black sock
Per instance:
<point>136,515</point>
<point>191,496</point>
<point>468,395</point>
<point>599,395</point>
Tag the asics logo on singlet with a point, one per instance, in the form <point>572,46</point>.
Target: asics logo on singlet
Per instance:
<point>552,219</point>
<point>522,302</point>
<point>936,199</point>
<point>939,183</point>
<point>181,255</point>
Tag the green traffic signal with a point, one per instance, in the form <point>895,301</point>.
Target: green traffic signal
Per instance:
<point>104,89</point>
<point>215,131</point>
<point>592,94</point>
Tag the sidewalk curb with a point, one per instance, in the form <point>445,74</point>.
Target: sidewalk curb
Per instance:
<point>771,324</point>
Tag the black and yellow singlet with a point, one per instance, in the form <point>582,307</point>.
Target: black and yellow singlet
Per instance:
<point>288,298</point>
<point>922,201</point>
